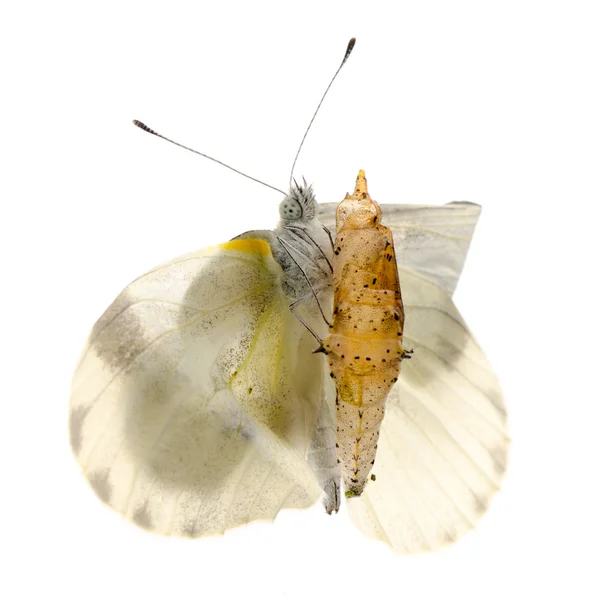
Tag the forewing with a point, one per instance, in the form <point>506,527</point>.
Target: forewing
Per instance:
<point>443,445</point>
<point>431,240</point>
<point>189,414</point>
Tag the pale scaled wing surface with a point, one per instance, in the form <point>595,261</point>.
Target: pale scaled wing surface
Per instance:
<point>443,445</point>
<point>195,398</point>
<point>431,240</point>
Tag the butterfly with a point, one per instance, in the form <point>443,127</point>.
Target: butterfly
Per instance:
<point>199,403</point>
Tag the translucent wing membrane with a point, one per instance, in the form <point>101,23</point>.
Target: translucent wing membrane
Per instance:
<point>443,444</point>
<point>431,240</point>
<point>196,395</point>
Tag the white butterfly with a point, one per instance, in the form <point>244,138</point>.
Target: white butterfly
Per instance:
<point>198,404</point>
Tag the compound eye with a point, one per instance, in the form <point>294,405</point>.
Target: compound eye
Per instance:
<point>290,209</point>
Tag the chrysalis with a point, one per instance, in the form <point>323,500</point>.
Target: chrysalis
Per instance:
<point>364,347</point>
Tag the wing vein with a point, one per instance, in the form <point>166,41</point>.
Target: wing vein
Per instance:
<point>435,480</point>
<point>500,409</point>
<point>458,445</point>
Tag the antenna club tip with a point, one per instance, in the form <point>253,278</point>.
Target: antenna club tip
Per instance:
<point>143,126</point>
<point>349,49</point>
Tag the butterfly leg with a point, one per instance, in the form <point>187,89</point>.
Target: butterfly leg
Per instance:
<point>300,231</point>
<point>330,236</point>
<point>322,456</point>
<point>292,308</point>
<point>288,248</point>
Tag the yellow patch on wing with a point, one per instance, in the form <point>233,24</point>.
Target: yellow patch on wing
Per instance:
<point>250,246</point>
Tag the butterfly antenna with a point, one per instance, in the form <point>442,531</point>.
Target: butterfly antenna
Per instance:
<point>147,129</point>
<point>346,56</point>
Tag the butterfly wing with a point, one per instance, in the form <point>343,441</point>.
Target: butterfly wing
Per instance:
<point>194,400</point>
<point>443,445</point>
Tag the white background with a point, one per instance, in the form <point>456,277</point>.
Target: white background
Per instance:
<point>496,103</point>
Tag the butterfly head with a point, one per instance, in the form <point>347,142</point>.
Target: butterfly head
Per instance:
<point>300,203</point>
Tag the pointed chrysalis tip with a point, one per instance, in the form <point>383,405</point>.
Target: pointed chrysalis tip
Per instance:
<point>361,184</point>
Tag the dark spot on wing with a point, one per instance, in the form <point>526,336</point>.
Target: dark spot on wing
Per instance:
<point>100,484</point>
<point>142,517</point>
<point>495,397</point>
<point>480,504</point>
<point>499,456</point>
<point>450,537</point>
<point>76,419</point>
<point>118,337</point>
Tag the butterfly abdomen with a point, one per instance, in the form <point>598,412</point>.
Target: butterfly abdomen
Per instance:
<point>364,347</point>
